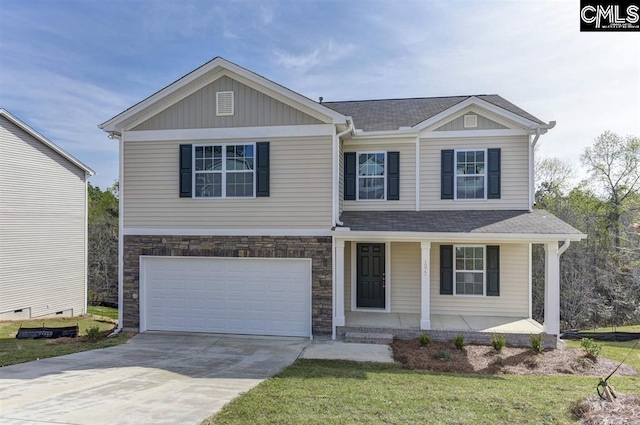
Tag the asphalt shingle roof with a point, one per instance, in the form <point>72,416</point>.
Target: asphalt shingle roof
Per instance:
<point>391,114</point>
<point>538,222</point>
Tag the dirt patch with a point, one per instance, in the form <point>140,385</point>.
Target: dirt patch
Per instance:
<point>444,357</point>
<point>595,411</point>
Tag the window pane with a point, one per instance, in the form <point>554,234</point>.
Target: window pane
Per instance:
<point>470,187</point>
<point>371,188</point>
<point>208,185</point>
<point>208,152</point>
<point>480,156</point>
<point>199,151</point>
<point>240,184</point>
<point>371,164</point>
<point>468,264</point>
<point>240,157</point>
<point>478,265</point>
<point>199,164</point>
<point>459,252</point>
<point>478,253</point>
<point>459,264</point>
<point>208,164</point>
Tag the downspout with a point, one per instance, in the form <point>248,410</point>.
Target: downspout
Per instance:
<point>539,130</point>
<point>336,172</point>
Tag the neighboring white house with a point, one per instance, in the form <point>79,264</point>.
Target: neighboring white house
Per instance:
<point>43,225</point>
<point>248,208</point>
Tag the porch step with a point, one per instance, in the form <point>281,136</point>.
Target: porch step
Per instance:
<point>368,338</point>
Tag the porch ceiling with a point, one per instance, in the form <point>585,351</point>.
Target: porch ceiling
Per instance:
<point>507,222</point>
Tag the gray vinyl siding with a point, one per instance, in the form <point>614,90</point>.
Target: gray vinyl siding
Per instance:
<point>251,109</point>
<point>407,149</point>
<point>514,173</point>
<point>42,227</point>
<point>483,124</point>
<point>300,192</point>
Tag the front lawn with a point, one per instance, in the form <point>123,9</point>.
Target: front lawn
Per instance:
<point>98,310</point>
<point>14,350</point>
<point>336,392</point>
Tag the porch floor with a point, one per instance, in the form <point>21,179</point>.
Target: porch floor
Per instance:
<point>444,322</point>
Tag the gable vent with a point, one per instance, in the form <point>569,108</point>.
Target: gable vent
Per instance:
<point>470,121</point>
<point>224,103</point>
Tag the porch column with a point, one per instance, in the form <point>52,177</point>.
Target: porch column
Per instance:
<point>552,289</point>
<point>425,285</point>
<point>338,296</point>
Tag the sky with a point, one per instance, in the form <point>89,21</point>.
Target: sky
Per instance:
<point>68,65</point>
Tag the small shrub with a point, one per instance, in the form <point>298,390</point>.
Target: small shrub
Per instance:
<point>498,341</point>
<point>424,340</point>
<point>443,355</point>
<point>497,362</point>
<point>93,334</point>
<point>591,348</point>
<point>458,341</point>
<point>536,343</point>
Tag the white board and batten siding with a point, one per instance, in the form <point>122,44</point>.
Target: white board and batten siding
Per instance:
<point>405,283</point>
<point>514,173</point>
<point>300,175</point>
<point>407,149</point>
<point>42,228</point>
<point>250,296</point>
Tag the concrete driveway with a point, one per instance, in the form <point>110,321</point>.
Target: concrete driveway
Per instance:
<point>156,378</point>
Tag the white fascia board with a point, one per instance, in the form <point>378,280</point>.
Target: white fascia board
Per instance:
<point>409,133</point>
<point>231,133</point>
<point>47,142</point>
<point>480,103</point>
<point>115,122</point>
<point>149,231</point>
<point>474,133</point>
<point>455,237</point>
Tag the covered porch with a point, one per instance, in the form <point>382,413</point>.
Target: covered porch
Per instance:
<point>422,285</point>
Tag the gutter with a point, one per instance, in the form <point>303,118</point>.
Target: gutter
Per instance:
<point>538,130</point>
<point>336,172</point>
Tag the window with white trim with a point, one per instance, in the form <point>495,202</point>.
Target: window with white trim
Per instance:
<point>224,171</point>
<point>372,181</point>
<point>471,174</point>
<point>469,270</point>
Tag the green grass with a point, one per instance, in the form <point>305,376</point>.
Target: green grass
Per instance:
<point>14,350</point>
<point>628,328</point>
<point>334,392</point>
<point>616,351</point>
<point>110,312</point>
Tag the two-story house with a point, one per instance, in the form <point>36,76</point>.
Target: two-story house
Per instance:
<point>248,208</point>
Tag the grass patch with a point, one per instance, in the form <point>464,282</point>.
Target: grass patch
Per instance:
<point>337,392</point>
<point>98,310</point>
<point>13,351</point>
<point>616,351</point>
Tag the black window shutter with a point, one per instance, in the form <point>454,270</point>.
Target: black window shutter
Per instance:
<point>493,189</point>
<point>446,178</point>
<point>393,176</point>
<point>349,176</point>
<point>262,169</point>
<point>185,171</point>
<point>446,269</point>
<point>493,271</point>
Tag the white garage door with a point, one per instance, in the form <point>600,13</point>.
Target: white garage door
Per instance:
<point>226,295</point>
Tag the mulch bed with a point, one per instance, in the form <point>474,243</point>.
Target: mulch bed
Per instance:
<point>444,357</point>
<point>625,410</point>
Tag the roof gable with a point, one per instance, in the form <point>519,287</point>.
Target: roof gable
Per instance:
<point>205,75</point>
<point>24,127</point>
<point>418,113</point>
<point>252,108</point>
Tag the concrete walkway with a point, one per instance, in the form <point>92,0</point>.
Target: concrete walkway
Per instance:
<point>156,378</point>
<point>338,350</point>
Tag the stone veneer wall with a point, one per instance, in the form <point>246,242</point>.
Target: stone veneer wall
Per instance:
<point>316,248</point>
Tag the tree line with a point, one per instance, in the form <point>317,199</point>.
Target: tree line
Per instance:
<point>102,287</point>
<point>600,276</point>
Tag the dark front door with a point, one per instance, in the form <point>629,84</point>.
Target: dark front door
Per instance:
<point>370,286</point>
